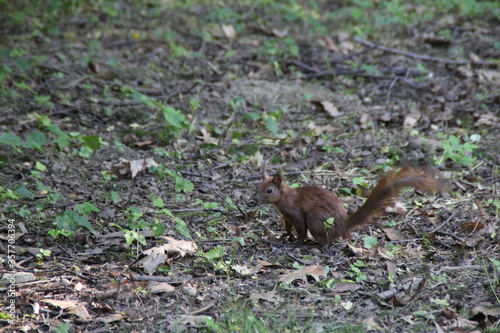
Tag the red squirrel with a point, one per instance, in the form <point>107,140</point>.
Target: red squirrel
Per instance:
<point>309,208</point>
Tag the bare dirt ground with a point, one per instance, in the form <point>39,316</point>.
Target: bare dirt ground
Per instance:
<point>140,121</point>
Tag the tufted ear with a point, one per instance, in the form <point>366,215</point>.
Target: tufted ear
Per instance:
<point>277,179</point>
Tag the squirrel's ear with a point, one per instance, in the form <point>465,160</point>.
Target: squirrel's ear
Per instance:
<point>277,179</point>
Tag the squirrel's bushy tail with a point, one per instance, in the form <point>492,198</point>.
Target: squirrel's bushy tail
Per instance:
<point>387,190</point>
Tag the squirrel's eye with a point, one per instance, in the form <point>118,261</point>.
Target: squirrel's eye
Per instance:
<point>269,190</point>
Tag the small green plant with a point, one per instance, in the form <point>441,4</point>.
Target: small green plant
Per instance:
<point>71,221</point>
<point>43,254</point>
<point>355,272</point>
<point>328,225</point>
<point>458,152</point>
<point>176,122</point>
<point>369,242</point>
<point>181,184</point>
<point>494,279</point>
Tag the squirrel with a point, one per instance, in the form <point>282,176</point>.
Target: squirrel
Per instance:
<point>310,208</point>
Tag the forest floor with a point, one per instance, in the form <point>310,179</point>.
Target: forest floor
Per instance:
<point>132,135</point>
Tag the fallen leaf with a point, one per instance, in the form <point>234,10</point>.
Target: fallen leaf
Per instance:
<point>370,324</point>
<point>365,120</point>
<point>357,251</point>
<point>109,319</point>
<point>143,143</point>
<point>280,33</point>
<point>246,271</point>
<point>181,323</point>
<point>489,311</point>
<point>487,119</point>
<point>344,287</point>
<point>229,31</point>
<point>158,255</point>
<point>396,208</point>
<point>268,264</point>
<point>472,226</point>
<point>314,271</point>
<point>320,129</point>
<point>63,304</point>
<point>269,297</point>
<point>411,120</point>
<point>160,287</point>
<point>438,327</point>
<point>394,234</point>
<point>326,106</point>
<point>81,311</point>
<point>135,166</point>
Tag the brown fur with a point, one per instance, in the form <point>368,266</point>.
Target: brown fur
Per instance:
<point>307,208</point>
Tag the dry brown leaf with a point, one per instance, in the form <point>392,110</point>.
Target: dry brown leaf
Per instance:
<point>314,271</point>
<point>320,129</point>
<point>490,76</point>
<point>473,226</point>
<point>181,323</point>
<point>158,255</point>
<point>370,324</point>
<point>365,120</point>
<point>269,297</point>
<point>330,45</point>
<point>439,329</point>
<point>488,311</point>
<point>358,251</point>
<point>411,120</point>
<point>246,271</point>
<point>396,208</point>
<point>268,264</point>
<point>394,234</point>
<point>280,33</point>
<point>487,119</point>
<point>229,31</point>
<point>344,287</point>
<point>62,304</point>
<point>143,143</point>
<point>136,166</point>
<point>326,106</point>
<point>160,287</point>
<point>391,267</point>
<point>109,319</point>
<point>81,311</point>
<point>206,136</point>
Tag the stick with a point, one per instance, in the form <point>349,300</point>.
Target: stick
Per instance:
<point>418,56</point>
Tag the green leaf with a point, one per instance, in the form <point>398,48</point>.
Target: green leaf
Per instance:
<point>174,117</point>
<point>215,253</point>
<point>115,197</point>
<point>454,142</point>
<point>158,202</point>
<point>10,139</point>
<point>24,192</point>
<point>40,167</point>
<point>85,152</point>
<point>369,242</point>
<point>92,141</point>
<point>251,116</point>
<point>158,229</point>
<point>87,208</point>
<point>183,185</point>
<point>272,125</point>
<point>35,140</point>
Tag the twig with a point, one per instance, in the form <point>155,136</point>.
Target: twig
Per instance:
<point>169,279</point>
<point>419,56</point>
